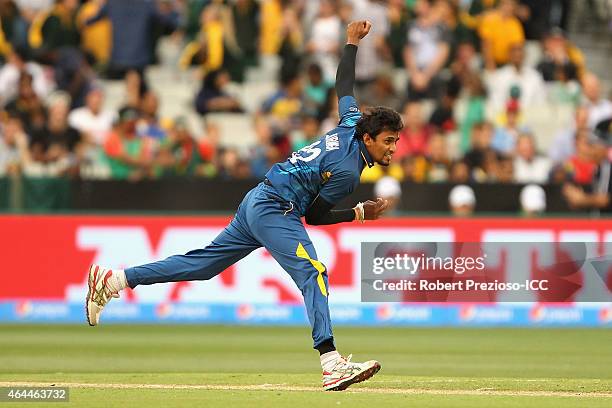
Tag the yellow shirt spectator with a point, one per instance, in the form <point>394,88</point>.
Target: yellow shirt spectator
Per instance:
<point>208,49</point>
<point>5,46</point>
<point>271,26</point>
<point>501,34</point>
<point>95,38</point>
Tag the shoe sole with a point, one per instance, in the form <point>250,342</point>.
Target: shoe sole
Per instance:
<point>91,284</point>
<point>367,374</point>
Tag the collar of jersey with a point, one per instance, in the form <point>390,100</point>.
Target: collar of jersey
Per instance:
<point>364,154</point>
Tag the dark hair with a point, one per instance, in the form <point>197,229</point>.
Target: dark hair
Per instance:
<point>377,120</point>
<point>210,80</point>
<point>287,76</point>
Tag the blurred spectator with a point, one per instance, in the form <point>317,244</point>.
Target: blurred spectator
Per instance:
<point>600,108</point>
<point>564,145</point>
<point>473,14</point>
<point>51,152</point>
<point>54,29</point>
<point>17,63</point>
<point>271,27</point>
<point>388,188</point>
<point>598,198</point>
<point>443,117</point>
<point>292,40</point>
<point>263,150</point>
<point>448,13</point>
<point>329,114</point>
<point>310,132</point>
<point>465,64</point>
<point>407,168</point>
<point>581,166</point>
<point>499,31</point>
<point>191,15</point>
<point>462,201</point>
<point>381,93</point>
<point>57,131</point>
<point>504,138</point>
<point>92,120</point>
<point>517,81</point>
<point>426,52</point>
<point>234,58</point>
<point>437,160</point>
<point>13,26</point>
<point>536,16</point>
<point>232,166</point>
<point>529,166</point>
<point>96,38</point>
<point>208,49</point>
<point>11,135</point>
<point>459,172</point>
<point>415,134</point>
<point>149,124</point>
<point>316,90</point>
<point>533,200</point>
<point>474,111</point>
<point>560,61</point>
<point>212,96</point>
<point>245,15</point>
<point>500,168</point>
<point>133,23</point>
<point>398,17</point>
<point>481,152</point>
<point>135,88</point>
<point>129,156</point>
<point>285,106</point>
<point>73,74</point>
<point>27,105</point>
<point>373,50</point>
<point>179,154</point>
<point>324,42</point>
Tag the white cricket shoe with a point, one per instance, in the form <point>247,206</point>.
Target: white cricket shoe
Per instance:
<point>346,373</point>
<point>98,294</point>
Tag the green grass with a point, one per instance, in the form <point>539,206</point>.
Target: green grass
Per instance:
<point>421,367</point>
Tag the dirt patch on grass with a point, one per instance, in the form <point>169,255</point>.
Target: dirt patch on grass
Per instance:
<point>286,387</point>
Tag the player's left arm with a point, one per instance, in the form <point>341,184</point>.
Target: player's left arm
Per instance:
<point>321,212</point>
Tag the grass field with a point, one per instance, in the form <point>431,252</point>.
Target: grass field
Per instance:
<point>179,366</point>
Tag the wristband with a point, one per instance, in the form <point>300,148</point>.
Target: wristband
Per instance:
<point>359,213</point>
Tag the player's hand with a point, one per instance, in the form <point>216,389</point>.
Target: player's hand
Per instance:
<point>374,209</point>
<point>356,30</point>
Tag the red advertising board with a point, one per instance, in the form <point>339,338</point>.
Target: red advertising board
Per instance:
<point>46,257</point>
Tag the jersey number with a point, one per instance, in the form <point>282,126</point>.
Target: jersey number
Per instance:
<point>311,151</point>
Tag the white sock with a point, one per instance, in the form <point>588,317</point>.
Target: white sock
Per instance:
<point>328,360</point>
<point>117,281</point>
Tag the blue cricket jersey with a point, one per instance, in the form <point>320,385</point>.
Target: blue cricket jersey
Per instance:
<point>330,167</point>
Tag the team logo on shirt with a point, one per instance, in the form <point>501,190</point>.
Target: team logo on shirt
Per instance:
<point>325,176</point>
<point>332,142</point>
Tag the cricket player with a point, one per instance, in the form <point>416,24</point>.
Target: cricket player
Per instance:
<point>308,184</point>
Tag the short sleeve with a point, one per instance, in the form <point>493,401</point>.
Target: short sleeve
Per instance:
<point>349,111</point>
<point>113,147</point>
<point>339,186</point>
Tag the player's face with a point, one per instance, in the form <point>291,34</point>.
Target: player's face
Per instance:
<point>382,147</point>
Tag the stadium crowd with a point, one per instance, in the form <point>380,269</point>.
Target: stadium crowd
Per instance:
<point>490,91</point>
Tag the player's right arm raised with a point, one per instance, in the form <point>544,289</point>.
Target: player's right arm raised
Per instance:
<point>345,76</point>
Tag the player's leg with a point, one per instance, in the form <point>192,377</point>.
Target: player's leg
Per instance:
<point>227,248</point>
<point>232,244</point>
<point>288,242</point>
